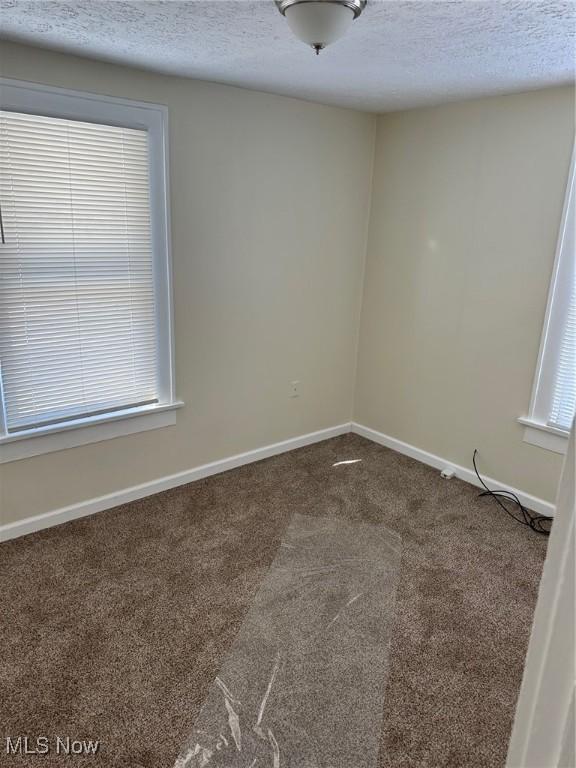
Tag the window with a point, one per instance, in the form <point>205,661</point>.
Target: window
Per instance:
<point>85,325</point>
<point>554,396</point>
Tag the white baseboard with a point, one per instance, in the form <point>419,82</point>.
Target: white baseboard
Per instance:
<point>468,475</point>
<point>89,507</point>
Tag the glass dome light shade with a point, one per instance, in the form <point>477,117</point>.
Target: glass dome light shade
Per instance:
<point>319,23</point>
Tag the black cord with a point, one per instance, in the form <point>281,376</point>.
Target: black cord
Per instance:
<point>538,523</point>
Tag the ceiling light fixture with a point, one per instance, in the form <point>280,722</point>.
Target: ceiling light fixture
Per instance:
<point>320,22</point>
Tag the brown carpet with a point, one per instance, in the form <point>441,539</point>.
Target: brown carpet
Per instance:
<point>114,626</point>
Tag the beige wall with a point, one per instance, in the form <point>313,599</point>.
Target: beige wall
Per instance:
<point>270,203</point>
<point>270,198</point>
<point>466,207</point>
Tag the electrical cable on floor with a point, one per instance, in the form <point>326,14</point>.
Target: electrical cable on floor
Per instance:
<point>538,523</point>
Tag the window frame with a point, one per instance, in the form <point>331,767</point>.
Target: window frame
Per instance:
<point>536,429</point>
<point>34,98</point>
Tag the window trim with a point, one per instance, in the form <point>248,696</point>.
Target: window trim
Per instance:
<point>90,429</point>
<point>34,98</point>
<point>536,429</point>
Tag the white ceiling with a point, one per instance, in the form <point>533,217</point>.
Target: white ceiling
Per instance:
<point>398,54</point>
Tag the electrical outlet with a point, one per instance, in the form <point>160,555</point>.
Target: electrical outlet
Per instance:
<point>294,389</point>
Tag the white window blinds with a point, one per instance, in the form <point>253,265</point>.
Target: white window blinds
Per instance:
<point>77,312</point>
<point>564,390</point>
<point>554,396</point>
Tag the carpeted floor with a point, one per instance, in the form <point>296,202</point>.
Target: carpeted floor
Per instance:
<point>115,626</point>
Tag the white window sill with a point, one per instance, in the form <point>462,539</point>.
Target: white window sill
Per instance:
<point>92,429</point>
<point>543,436</point>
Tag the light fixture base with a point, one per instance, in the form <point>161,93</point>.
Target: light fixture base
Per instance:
<point>356,6</point>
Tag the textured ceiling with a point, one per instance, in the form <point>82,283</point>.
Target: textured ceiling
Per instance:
<point>398,54</point>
